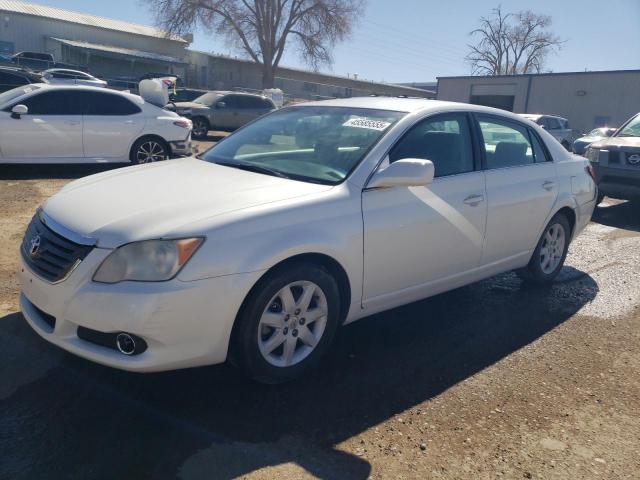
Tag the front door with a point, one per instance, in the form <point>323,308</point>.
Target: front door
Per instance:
<point>51,131</point>
<point>419,240</point>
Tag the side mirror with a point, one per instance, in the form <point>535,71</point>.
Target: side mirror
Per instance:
<point>221,105</point>
<point>18,110</point>
<point>408,172</point>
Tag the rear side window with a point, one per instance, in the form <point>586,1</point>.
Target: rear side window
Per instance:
<point>553,123</point>
<point>444,139</point>
<point>59,102</point>
<point>539,153</point>
<point>505,143</point>
<point>99,103</point>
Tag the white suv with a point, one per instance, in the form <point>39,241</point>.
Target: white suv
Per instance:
<point>41,123</point>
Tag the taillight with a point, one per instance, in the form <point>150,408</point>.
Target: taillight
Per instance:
<point>182,123</point>
<point>591,172</point>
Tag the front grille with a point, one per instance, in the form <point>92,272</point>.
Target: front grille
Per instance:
<point>48,254</point>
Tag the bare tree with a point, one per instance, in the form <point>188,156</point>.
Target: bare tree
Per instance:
<point>512,43</point>
<point>263,29</point>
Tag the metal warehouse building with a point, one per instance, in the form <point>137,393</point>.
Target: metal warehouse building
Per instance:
<point>586,99</point>
<point>107,48</point>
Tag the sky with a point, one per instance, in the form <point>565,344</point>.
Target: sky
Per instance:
<point>419,40</point>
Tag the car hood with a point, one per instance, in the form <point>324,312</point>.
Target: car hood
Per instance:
<point>622,143</point>
<point>157,200</point>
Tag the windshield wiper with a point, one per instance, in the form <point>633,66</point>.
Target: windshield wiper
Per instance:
<point>251,167</point>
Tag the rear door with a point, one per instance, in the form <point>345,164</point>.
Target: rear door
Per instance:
<point>521,187</point>
<point>50,132</point>
<point>111,124</point>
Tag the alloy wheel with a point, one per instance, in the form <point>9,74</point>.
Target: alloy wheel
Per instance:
<point>151,151</point>
<point>199,128</point>
<point>553,245</point>
<point>292,324</point>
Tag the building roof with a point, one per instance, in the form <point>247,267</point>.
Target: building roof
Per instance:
<point>119,51</point>
<point>548,74</point>
<point>83,19</point>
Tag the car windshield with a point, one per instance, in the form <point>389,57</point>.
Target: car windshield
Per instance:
<point>597,132</point>
<point>631,129</point>
<point>208,98</point>
<point>315,144</point>
<point>14,93</point>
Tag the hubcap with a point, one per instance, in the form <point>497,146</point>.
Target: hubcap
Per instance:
<point>293,323</point>
<point>151,152</point>
<point>553,244</point>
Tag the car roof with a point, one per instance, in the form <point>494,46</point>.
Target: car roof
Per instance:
<point>90,88</point>
<point>64,70</point>
<point>24,71</point>
<point>409,105</point>
<point>536,116</point>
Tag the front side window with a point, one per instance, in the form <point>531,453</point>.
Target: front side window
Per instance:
<point>506,144</point>
<point>314,144</point>
<point>208,98</point>
<point>59,102</point>
<point>444,139</point>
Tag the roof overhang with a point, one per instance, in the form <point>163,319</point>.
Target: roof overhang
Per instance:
<point>120,52</point>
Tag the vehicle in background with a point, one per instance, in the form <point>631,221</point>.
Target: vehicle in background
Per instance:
<point>34,60</point>
<point>217,110</point>
<point>616,162</point>
<point>595,135</point>
<point>71,77</point>
<point>558,127</point>
<point>5,60</point>
<point>307,219</point>
<point>123,83</point>
<point>186,94</point>
<point>151,75</point>
<point>43,123</point>
<point>12,77</point>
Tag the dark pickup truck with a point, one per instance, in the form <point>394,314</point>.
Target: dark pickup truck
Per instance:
<point>616,162</point>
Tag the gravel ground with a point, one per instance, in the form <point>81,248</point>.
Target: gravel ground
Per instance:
<point>490,380</point>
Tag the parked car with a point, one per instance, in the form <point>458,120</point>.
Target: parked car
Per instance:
<point>34,60</point>
<point>43,123</point>
<point>581,144</point>
<point>71,77</point>
<point>12,77</point>
<point>186,94</point>
<point>309,218</point>
<point>616,161</point>
<point>558,127</point>
<point>223,110</point>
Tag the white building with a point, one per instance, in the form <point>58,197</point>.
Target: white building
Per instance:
<point>586,99</point>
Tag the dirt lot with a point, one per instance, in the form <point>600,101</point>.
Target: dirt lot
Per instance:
<point>491,380</point>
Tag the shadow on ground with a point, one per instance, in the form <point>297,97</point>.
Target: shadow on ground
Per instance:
<point>624,215</point>
<point>53,171</point>
<point>80,420</point>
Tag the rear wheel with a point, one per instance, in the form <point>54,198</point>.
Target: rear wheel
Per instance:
<point>287,323</point>
<point>548,257</point>
<point>200,127</point>
<point>147,150</point>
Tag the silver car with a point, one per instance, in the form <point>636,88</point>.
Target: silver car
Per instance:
<point>556,126</point>
<point>223,110</point>
<point>595,135</point>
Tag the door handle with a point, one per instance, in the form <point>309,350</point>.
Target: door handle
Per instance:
<point>549,185</point>
<point>474,200</point>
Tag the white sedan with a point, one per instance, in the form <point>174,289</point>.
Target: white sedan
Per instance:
<point>307,219</point>
<point>71,77</point>
<point>41,123</point>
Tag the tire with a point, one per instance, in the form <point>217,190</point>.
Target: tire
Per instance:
<point>272,341</point>
<point>200,127</point>
<point>149,149</point>
<point>542,270</point>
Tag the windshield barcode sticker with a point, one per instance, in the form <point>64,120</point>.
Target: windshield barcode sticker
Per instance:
<point>364,123</point>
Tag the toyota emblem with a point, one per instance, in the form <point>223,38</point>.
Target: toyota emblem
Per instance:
<point>34,246</point>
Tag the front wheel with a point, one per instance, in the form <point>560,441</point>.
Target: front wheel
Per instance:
<point>548,257</point>
<point>287,323</point>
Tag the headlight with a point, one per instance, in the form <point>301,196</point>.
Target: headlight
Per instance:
<point>593,155</point>
<point>147,261</point>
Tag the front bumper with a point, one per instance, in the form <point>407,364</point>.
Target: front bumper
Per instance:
<point>181,147</point>
<point>616,182</point>
<point>185,324</point>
